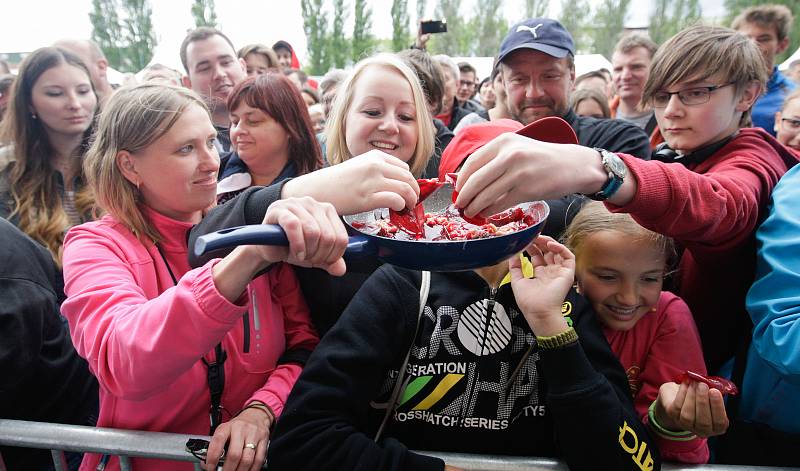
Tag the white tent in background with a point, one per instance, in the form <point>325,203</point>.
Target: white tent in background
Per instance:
<point>583,63</point>
<point>785,64</point>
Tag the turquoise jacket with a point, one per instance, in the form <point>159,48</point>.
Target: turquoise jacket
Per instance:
<point>771,386</point>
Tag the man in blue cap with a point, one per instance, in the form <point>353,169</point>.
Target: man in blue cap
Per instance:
<point>538,61</point>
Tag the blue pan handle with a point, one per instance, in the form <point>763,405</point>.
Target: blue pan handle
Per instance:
<point>267,234</point>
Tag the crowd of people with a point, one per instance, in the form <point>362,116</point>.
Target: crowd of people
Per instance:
<point>669,253</point>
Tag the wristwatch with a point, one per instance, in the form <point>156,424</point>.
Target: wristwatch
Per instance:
<point>617,171</point>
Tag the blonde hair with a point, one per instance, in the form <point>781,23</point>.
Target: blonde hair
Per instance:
<point>32,178</point>
<point>132,119</point>
<point>337,150</point>
<point>699,52</point>
<point>594,217</point>
<point>790,98</point>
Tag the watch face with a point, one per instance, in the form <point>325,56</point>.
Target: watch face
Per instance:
<point>616,165</point>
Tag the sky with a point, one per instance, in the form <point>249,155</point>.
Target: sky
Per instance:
<point>26,27</point>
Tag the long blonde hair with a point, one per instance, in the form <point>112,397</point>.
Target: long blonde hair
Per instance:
<point>32,177</point>
<point>337,151</point>
<point>132,119</point>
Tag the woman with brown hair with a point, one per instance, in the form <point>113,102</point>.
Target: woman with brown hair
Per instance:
<point>47,127</point>
<point>174,347</point>
<point>272,133</point>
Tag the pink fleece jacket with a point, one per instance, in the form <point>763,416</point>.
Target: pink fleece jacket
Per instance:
<point>144,337</point>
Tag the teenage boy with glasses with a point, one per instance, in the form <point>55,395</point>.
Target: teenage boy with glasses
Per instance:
<point>709,194</point>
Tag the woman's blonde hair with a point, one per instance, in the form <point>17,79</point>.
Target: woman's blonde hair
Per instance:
<point>132,119</point>
<point>32,178</point>
<point>337,151</point>
<point>594,217</point>
<point>699,52</point>
<point>790,98</point>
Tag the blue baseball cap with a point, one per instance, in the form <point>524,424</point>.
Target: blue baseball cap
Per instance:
<point>541,34</point>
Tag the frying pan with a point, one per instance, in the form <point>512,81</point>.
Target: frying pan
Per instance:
<point>426,254</point>
<point>442,255</point>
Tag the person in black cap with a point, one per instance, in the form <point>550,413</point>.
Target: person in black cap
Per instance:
<point>537,58</point>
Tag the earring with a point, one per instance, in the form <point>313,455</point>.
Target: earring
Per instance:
<point>33,115</point>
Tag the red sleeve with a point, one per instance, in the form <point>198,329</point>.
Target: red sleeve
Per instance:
<point>716,209</point>
<point>676,348</point>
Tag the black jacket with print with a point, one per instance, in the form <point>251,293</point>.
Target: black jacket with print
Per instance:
<point>474,384</point>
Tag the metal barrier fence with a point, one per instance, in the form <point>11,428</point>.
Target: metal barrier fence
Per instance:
<point>171,446</point>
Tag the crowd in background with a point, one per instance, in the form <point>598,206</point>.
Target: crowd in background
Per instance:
<point>669,254</point>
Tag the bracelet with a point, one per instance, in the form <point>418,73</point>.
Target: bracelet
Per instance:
<point>563,339</point>
<point>262,407</point>
<point>660,430</point>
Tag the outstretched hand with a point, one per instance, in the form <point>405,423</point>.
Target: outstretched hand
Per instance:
<point>369,181</point>
<point>691,406</point>
<point>540,298</point>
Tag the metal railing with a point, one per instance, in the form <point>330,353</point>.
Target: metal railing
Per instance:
<point>171,446</point>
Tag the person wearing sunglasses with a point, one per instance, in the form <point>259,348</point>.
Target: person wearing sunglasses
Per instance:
<point>708,188</point>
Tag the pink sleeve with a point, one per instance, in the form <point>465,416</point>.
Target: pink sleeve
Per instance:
<point>716,209</point>
<point>299,333</point>
<point>676,348</point>
<point>134,344</point>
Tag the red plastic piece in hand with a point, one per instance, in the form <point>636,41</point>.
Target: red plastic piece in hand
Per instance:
<point>478,220</point>
<point>723,385</point>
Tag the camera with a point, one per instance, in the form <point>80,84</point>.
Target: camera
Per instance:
<point>433,26</point>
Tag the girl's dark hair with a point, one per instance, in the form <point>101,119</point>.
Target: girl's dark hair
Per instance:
<point>275,95</point>
<point>32,176</point>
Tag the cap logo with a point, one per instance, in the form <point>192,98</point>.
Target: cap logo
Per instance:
<point>529,29</point>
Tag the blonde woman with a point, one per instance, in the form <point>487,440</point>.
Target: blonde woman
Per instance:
<point>49,120</point>
<point>379,138</point>
<point>157,334</point>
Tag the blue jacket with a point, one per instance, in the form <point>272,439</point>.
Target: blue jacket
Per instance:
<point>771,386</point>
<point>778,87</point>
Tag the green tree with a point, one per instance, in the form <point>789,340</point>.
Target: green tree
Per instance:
<point>456,41</point>
<point>422,5</point>
<point>535,9</point>
<point>315,25</point>
<point>139,34</point>
<point>608,21</point>
<point>339,53</point>
<point>734,7</point>
<point>204,14</point>
<point>363,42</point>
<point>400,31</point>
<point>671,16</point>
<point>489,27</point>
<point>575,15</point>
<point>106,30</point>
<point>124,31</point>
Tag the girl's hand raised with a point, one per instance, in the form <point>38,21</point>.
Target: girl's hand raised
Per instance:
<point>540,298</point>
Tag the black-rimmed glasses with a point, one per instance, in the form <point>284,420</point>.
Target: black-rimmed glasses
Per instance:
<point>687,96</point>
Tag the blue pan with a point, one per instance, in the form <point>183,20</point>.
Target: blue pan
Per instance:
<point>413,254</point>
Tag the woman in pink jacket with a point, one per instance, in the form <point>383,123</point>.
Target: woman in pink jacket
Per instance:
<point>171,346</point>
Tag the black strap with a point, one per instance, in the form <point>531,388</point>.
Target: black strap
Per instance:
<point>216,371</point>
<point>651,125</point>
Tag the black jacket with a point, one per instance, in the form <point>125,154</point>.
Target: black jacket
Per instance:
<point>613,135</point>
<point>475,383</point>
<point>43,378</point>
